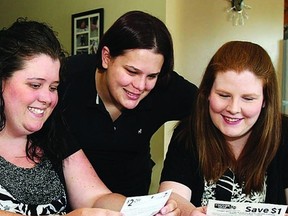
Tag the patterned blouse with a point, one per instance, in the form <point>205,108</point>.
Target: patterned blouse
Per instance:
<point>35,191</point>
<point>227,188</point>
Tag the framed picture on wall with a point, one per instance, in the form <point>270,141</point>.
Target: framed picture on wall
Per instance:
<point>87,29</point>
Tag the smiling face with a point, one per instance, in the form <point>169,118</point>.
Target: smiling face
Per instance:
<point>130,77</point>
<point>30,95</point>
<point>235,102</point>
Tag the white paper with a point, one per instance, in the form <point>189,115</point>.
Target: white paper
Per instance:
<point>145,205</point>
<point>224,208</point>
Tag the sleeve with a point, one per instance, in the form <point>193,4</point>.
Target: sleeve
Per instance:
<point>74,67</point>
<point>182,165</point>
<point>68,143</point>
<point>179,164</point>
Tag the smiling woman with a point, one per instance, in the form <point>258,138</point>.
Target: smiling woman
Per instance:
<point>30,94</point>
<point>234,107</point>
<point>33,149</point>
<point>131,77</point>
<point>116,100</point>
<point>29,80</point>
<point>231,147</point>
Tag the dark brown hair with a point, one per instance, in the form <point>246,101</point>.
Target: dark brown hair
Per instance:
<point>138,30</point>
<point>23,40</point>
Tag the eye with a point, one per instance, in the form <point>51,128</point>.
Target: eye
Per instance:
<point>131,71</point>
<point>53,88</point>
<point>248,98</point>
<point>223,95</point>
<point>153,76</point>
<point>35,85</point>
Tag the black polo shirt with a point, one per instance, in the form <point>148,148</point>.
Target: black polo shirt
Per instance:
<point>120,150</point>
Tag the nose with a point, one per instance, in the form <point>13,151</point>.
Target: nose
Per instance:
<point>45,97</point>
<point>139,82</point>
<point>233,106</point>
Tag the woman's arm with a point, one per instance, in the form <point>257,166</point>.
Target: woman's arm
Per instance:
<point>182,195</point>
<point>85,188</point>
<point>77,212</point>
<point>7,213</point>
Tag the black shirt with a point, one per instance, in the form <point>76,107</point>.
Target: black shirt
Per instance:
<point>182,165</point>
<point>120,150</point>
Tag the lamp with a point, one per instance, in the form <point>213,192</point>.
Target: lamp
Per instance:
<point>237,11</point>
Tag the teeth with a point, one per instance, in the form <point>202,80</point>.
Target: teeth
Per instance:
<point>231,119</point>
<point>129,93</point>
<point>36,111</point>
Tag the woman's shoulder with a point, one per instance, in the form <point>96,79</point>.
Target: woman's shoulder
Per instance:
<point>82,59</point>
<point>177,88</point>
<point>179,81</point>
<point>79,64</point>
<point>78,71</point>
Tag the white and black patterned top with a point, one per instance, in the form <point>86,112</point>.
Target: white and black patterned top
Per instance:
<point>35,191</point>
<point>227,188</point>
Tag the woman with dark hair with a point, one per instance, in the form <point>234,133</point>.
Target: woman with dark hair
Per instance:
<point>138,30</point>
<point>234,146</point>
<point>115,101</point>
<point>36,175</point>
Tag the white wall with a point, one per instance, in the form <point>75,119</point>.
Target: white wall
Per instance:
<point>199,28</point>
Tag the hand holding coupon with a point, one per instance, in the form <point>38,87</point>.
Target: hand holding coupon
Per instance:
<point>145,205</point>
<point>223,208</point>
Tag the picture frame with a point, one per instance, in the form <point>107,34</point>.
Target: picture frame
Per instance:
<point>87,29</point>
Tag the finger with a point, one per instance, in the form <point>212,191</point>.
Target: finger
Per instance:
<point>170,206</point>
<point>175,212</point>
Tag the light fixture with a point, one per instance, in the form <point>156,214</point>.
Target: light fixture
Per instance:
<point>237,12</point>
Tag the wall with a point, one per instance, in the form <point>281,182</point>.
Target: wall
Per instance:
<point>199,28</point>
<point>58,13</point>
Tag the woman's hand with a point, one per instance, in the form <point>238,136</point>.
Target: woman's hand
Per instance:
<point>170,209</point>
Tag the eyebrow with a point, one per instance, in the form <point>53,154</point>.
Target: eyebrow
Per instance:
<point>138,70</point>
<point>41,79</point>
<point>244,95</point>
<point>251,95</point>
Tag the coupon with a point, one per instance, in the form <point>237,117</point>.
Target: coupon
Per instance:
<point>145,205</point>
<point>224,208</point>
